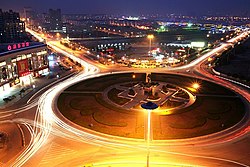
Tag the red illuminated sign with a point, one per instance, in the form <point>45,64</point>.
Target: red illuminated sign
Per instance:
<point>23,68</point>
<point>110,50</point>
<point>18,46</point>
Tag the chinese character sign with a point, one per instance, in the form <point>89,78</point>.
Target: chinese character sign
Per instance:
<point>23,67</point>
<point>18,46</point>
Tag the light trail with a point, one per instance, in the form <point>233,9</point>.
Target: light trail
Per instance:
<point>45,87</point>
<point>45,117</point>
<point>44,114</point>
<point>236,82</point>
<point>90,138</point>
<point>219,49</point>
<point>21,109</point>
<point>36,35</point>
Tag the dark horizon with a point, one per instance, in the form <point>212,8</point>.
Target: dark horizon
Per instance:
<point>131,7</point>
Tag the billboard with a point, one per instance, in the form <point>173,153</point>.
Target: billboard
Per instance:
<point>23,67</point>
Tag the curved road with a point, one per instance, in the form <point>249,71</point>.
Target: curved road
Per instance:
<point>55,142</point>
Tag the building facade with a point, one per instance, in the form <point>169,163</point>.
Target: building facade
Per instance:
<point>21,62</point>
<point>12,29</point>
<point>55,20</point>
<point>30,16</point>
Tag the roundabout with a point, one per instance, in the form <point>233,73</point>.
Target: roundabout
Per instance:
<point>95,119</point>
<point>111,104</point>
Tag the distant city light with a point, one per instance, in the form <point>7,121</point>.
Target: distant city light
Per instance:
<point>190,24</point>
<point>132,18</point>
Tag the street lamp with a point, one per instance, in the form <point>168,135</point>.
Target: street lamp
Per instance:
<point>196,86</point>
<point>149,106</point>
<point>58,35</point>
<point>150,37</point>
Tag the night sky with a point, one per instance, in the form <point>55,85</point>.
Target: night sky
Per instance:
<point>133,7</point>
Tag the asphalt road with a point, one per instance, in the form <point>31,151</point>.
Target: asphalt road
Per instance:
<point>55,141</point>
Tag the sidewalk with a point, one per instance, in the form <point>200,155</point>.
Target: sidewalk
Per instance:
<point>14,95</point>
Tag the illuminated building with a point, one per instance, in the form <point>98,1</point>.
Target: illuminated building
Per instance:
<point>20,62</point>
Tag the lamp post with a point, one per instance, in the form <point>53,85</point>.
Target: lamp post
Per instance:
<point>150,37</point>
<point>149,106</point>
<point>58,35</point>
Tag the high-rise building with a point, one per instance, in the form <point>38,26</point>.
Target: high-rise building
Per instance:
<point>30,16</point>
<point>55,19</point>
<point>12,29</point>
<point>1,26</point>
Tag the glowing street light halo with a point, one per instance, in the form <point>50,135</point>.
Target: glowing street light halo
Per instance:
<point>196,86</point>
<point>150,36</point>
